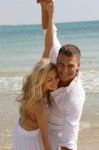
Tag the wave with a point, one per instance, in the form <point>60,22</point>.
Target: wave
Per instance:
<point>90,80</point>
<point>13,83</point>
<point>8,84</point>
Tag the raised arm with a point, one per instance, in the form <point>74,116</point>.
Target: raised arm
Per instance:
<point>52,44</point>
<point>49,32</point>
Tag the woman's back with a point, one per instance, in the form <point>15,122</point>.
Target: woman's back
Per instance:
<point>32,112</point>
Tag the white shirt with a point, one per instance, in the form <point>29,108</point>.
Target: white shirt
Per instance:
<point>67,105</point>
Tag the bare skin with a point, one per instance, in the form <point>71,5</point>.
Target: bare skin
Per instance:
<point>38,1</point>
<point>44,12</point>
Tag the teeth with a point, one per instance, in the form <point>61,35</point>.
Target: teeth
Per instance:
<point>64,75</point>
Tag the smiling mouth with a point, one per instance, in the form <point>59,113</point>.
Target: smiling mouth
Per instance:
<point>64,75</point>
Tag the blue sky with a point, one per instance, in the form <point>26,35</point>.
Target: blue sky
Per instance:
<point>28,12</point>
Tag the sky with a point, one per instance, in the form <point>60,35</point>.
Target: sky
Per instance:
<point>13,12</point>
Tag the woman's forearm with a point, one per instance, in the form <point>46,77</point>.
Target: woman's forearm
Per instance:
<point>48,39</point>
<point>45,18</point>
<point>49,32</point>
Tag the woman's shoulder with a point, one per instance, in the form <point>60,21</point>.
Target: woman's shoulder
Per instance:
<point>36,107</point>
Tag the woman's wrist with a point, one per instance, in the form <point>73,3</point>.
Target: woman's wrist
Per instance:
<point>45,60</point>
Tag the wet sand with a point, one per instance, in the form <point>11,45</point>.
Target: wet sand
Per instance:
<point>88,146</point>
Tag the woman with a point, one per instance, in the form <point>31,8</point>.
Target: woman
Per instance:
<point>31,131</point>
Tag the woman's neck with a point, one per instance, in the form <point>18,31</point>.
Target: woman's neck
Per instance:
<point>46,94</point>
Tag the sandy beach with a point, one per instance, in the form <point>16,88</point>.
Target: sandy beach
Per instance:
<point>88,146</point>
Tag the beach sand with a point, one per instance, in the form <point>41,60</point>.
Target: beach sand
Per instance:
<point>83,146</point>
<point>88,146</point>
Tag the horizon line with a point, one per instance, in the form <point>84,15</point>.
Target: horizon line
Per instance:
<point>55,23</point>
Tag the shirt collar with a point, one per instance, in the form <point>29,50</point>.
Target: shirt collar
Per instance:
<point>67,88</point>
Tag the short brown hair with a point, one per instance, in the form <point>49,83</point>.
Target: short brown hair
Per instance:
<point>70,50</point>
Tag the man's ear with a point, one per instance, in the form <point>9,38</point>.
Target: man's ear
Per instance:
<point>79,66</point>
<point>77,70</point>
<point>37,1</point>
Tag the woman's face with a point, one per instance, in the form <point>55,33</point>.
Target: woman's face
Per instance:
<point>51,81</point>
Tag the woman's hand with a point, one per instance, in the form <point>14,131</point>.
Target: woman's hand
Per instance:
<point>48,7</point>
<point>49,1</point>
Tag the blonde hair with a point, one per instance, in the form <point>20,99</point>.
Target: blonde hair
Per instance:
<point>32,89</point>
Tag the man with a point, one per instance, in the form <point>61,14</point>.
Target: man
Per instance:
<point>68,100</point>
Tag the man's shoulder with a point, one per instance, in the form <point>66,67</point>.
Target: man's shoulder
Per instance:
<point>76,87</point>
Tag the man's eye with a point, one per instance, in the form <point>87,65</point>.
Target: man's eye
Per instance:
<point>70,66</point>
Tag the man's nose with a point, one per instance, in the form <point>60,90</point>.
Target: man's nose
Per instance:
<point>65,70</point>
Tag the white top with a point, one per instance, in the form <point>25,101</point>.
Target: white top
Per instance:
<point>67,104</point>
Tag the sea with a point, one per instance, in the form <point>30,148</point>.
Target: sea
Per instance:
<point>21,46</point>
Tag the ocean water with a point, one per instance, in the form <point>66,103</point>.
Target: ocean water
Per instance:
<point>21,47</point>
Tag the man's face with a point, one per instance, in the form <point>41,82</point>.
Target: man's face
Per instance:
<point>67,67</point>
